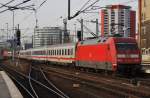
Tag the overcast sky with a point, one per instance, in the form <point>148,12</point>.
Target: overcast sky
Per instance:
<point>51,12</point>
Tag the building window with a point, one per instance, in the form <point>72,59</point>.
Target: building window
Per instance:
<point>143,42</point>
<point>144,3</point>
<point>143,30</point>
<point>143,16</point>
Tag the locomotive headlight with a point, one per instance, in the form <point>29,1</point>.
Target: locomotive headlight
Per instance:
<point>134,56</point>
<point>121,55</point>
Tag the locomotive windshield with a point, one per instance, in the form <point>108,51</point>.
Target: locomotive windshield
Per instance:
<point>126,46</point>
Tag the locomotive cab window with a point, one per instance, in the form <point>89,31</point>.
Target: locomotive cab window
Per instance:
<point>126,46</point>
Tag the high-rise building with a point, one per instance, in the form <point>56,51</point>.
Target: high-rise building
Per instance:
<point>48,36</point>
<point>118,19</point>
<point>144,24</point>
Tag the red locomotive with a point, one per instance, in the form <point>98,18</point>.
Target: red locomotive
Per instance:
<point>113,54</point>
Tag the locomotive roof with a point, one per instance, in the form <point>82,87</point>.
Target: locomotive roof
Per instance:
<point>93,41</point>
<point>102,40</point>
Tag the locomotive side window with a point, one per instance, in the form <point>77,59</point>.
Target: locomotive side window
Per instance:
<point>126,46</point>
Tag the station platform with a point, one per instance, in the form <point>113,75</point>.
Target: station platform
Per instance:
<point>7,87</point>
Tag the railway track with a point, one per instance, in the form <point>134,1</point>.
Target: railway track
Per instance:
<point>24,87</point>
<point>43,79</point>
<point>111,86</point>
<point>35,88</point>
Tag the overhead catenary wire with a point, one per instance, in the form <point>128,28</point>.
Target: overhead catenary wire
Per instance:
<point>99,7</point>
<point>35,12</point>
<point>6,3</point>
<point>85,5</point>
<point>15,7</point>
<point>84,8</point>
<point>89,6</point>
<point>88,29</point>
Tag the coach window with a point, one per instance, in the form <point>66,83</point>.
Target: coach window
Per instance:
<point>65,52</point>
<point>55,52</point>
<point>62,52</point>
<point>49,52</point>
<point>68,51</point>
<point>72,51</point>
<point>41,52</point>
